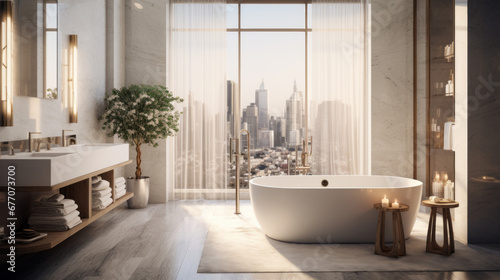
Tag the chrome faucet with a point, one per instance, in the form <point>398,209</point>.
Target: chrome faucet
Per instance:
<point>30,140</point>
<point>40,141</point>
<point>63,137</point>
<point>236,153</point>
<point>9,147</point>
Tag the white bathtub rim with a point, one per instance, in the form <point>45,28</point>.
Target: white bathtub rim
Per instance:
<point>410,183</point>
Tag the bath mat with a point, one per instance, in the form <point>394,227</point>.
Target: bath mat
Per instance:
<point>237,245</point>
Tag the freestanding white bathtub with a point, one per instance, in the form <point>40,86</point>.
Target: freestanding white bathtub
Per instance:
<point>300,209</point>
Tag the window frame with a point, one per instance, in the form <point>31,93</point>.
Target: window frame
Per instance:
<point>306,30</point>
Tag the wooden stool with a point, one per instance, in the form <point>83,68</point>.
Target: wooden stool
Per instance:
<point>449,242</point>
<point>398,243</point>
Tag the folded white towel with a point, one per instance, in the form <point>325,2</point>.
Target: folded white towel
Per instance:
<point>102,185</point>
<point>99,200</point>
<point>49,227</point>
<point>61,204</point>
<point>119,185</point>
<point>54,198</point>
<point>51,211</point>
<point>119,180</point>
<point>121,193</point>
<point>120,188</point>
<point>102,205</point>
<point>61,220</point>
<point>96,179</point>
<point>101,193</point>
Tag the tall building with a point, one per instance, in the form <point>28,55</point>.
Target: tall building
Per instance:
<point>266,139</point>
<point>262,102</point>
<point>280,132</point>
<point>243,137</point>
<point>252,120</point>
<point>278,126</point>
<point>272,126</point>
<point>295,117</point>
<point>233,107</point>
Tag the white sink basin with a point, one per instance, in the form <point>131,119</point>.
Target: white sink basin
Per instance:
<point>48,168</point>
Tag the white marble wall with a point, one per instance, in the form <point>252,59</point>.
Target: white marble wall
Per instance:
<point>392,87</point>
<point>146,63</point>
<point>115,54</point>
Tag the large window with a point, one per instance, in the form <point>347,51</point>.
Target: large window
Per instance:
<point>267,64</point>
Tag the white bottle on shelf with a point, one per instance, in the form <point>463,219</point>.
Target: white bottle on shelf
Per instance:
<point>447,190</point>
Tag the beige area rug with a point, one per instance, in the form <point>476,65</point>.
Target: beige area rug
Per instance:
<point>237,244</point>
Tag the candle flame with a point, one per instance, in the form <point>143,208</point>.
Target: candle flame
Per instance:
<point>385,196</point>
<point>395,201</point>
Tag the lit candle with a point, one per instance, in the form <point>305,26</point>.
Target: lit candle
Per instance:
<point>395,204</point>
<point>445,177</point>
<point>385,201</point>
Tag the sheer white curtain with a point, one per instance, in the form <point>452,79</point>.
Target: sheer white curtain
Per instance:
<point>197,74</point>
<point>340,95</point>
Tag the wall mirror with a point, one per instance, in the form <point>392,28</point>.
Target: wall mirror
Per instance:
<point>36,33</point>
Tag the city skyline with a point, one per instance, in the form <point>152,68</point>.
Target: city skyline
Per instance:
<point>268,130</point>
<point>251,98</point>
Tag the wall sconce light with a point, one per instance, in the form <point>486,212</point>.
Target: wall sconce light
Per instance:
<point>72,78</point>
<point>6,109</point>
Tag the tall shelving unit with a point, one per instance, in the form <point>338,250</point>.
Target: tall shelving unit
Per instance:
<point>440,95</point>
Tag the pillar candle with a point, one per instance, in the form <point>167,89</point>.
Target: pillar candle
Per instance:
<point>385,201</point>
<point>395,204</point>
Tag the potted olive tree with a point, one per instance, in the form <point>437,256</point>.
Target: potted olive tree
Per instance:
<point>141,114</point>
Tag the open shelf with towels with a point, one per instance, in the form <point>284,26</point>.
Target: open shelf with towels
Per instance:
<point>81,192</point>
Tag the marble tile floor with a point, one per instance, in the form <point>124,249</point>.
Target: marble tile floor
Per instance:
<point>165,241</point>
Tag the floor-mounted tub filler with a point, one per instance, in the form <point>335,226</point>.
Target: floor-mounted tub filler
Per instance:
<point>330,208</point>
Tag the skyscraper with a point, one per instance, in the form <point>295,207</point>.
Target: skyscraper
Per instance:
<point>262,102</point>
<point>278,126</point>
<point>252,120</point>
<point>294,114</point>
<point>280,132</point>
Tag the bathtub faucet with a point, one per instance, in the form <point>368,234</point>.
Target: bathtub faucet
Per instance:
<point>236,153</point>
<point>304,167</point>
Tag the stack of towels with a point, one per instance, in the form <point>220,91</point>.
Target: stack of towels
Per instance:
<point>101,193</point>
<point>54,213</point>
<point>120,187</point>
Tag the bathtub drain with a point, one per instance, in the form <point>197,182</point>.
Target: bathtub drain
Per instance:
<point>324,183</point>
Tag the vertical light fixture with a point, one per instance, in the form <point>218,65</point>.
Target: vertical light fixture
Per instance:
<point>6,109</point>
<point>72,78</point>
